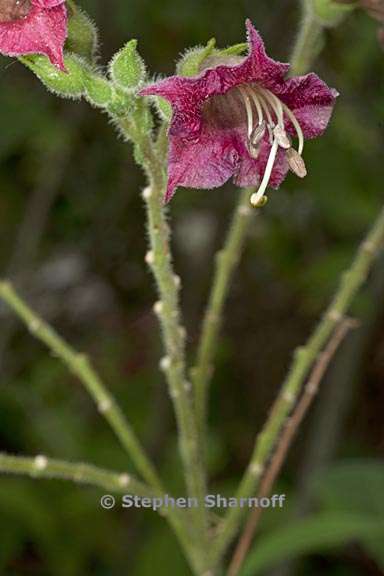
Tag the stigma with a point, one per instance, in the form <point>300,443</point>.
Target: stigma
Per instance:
<point>267,114</point>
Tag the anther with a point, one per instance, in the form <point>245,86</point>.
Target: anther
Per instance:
<point>296,163</point>
<point>255,138</point>
<point>281,136</point>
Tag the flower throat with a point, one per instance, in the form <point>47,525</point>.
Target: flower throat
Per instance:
<point>266,113</point>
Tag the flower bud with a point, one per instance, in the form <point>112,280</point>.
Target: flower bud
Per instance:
<point>127,68</point>
<point>82,34</point>
<point>191,62</point>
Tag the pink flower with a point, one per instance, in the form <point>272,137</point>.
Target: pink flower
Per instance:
<point>236,119</point>
<point>33,27</point>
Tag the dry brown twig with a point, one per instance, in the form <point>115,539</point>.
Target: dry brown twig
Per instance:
<point>286,439</point>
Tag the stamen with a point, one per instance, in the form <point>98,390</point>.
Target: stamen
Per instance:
<point>297,127</point>
<point>281,137</point>
<point>257,197</point>
<point>257,104</point>
<point>248,109</point>
<point>296,163</point>
<point>275,104</point>
<point>264,105</point>
<point>258,134</point>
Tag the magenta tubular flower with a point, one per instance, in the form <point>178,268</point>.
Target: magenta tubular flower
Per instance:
<point>237,119</point>
<point>33,27</point>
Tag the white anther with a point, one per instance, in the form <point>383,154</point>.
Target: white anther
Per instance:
<point>124,480</point>
<point>41,462</point>
<point>165,363</point>
<point>296,163</point>
<point>150,257</point>
<point>281,136</point>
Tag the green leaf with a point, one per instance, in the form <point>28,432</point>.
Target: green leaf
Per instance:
<point>127,68</point>
<point>321,532</point>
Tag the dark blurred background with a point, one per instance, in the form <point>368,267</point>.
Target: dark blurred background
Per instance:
<point>72,238</point>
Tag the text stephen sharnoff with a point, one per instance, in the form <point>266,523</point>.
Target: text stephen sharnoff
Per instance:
<point>210,501</point>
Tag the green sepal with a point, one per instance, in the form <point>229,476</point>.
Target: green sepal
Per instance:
<point>82,34</point>
<point>163,108</point>
<point>192,60</point>
<point>330,13</point>
<point>69,84</point>
<point>235,50</point>
<point>127,68</point>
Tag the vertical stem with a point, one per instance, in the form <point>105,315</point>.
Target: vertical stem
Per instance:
<point>159,259</point>
<point>226,261</point>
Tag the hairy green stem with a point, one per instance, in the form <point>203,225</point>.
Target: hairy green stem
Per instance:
<point>80,366</point>
<point>351,282</point>
<point>226,262</point>
<point>80,473</point>
<point>41,467</point>
<point>167,309</point>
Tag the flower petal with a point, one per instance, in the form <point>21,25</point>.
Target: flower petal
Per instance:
<point>205,163</point>
<point>45,4</point>
<point>187,95</point>
<point>43,31</point>
<point>251,170</point>
<point>311,101</point>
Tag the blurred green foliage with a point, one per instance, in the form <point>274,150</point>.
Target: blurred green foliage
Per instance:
<point>72,237</point>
